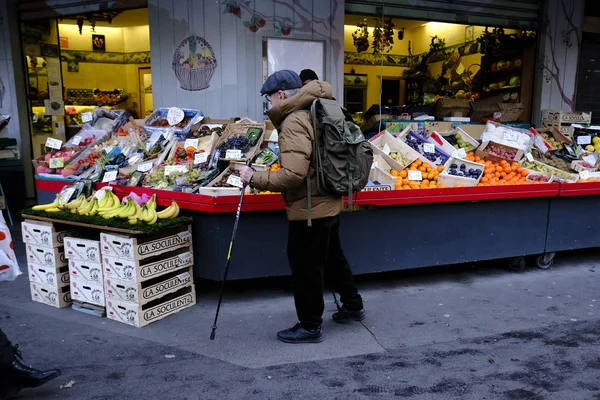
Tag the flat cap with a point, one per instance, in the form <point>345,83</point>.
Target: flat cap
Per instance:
<point>281,80</point>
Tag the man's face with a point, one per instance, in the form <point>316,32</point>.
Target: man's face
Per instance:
<point>276,98</point>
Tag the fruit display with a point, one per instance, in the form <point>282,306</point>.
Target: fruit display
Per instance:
<point>429,175</point>
<point>503,173</point>
<point>223,181</point>
<point>417,143</point>
<point>266,157</point>
<point>552,161</point>
<point>457,141</point>
<point>503,152</point>
<point>540,167</point>
<point>110,207</point>
<point>163,123</point>
<point>461,169</point>
<point>556,144</point>
<point>233,143</point>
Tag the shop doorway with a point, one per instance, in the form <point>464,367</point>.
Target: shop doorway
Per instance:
<point>145,89</point>
<point>390,92</point>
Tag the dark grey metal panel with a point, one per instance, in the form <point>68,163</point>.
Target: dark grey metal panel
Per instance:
<point>522,14</point>
<point>573,223</point>
<point>383,239</point>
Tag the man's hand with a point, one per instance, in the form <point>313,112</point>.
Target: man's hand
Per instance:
<point>246,174</point>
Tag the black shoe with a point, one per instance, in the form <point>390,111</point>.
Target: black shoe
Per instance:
<point>344,315</point>
<point>297,334</point>
<point>24,376</point>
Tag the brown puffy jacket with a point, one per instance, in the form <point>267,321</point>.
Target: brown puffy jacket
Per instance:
<point>292,119</point>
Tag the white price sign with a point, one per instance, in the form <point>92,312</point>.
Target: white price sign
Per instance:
<point>175,115</point>
<point>428,148</point>
<point>529,157</point>
<point>386,149</point>
<point>591,159</point>
<point>86,117</point>
<point>236,181</point>
<point>53,143</point>
<point>510,135</point>
<point>460,153</point>
<point>584,174</point>
<point>169,169</point>
<point>200,158</point>
<point>584,139</point>
<point>190,143</point>
<point>233,154</point>
<point>145,167</point>
<point>415,176</point>
<point>110,176</point>
<point>76,140</point>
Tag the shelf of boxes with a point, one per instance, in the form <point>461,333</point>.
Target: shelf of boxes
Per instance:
<point>46,263</point>
<point>147,277</point>
<point>85,270</point>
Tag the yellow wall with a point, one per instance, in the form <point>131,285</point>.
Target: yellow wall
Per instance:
<point>102,75</point>
<point>373,84</point>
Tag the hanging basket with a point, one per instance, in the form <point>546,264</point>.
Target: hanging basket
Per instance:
<point>195,71</point>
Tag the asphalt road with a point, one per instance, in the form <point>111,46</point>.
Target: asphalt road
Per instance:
<point>469,332</point>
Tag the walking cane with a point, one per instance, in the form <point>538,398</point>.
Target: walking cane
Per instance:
<point>235,227</point>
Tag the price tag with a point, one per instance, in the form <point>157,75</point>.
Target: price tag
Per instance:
<point>66,194</point>
<point>233,154</point>
<point>53,143</point>
<point>191,143</point>
<point>236,181</point>
<point>169,169</point>
<point>76,140</point>
<point>460,153</point>
<point>591,159</point>
<point>58,162</point>
<point>428,148</point>
<point>386,149</point>
<point>175,115</point>
<point>415,176</point>
<point>87,116</point>
<point>529,157</point>
<point>510,135</point>
<point>145,167</point>
<point>200,158</point>
<point>584,139</point>
<point>584,174</point>
<point>375,165</point>
<point>110,176</point>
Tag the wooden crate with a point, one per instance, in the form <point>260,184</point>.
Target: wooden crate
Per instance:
<point>385,180</point>
<point>561,117</point>
<point>558,175</point>
<point>451,108</point>
<point>395,144</point>
<point>211,190</point>
<point>481,152</point>
<point>451,180</point>
<point>239,129</point>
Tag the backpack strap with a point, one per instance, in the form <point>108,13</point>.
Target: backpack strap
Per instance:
<point>313,114</point>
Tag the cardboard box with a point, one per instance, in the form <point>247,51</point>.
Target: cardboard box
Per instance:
<point>383,138</point>
<point>83,250</point>
<point>88,292</point>
<point>142,293</point>
<point>48,256</point>
<point>58,297</point>
<point>42,234</point>
<point>381,180</point>
<point>132,271</point>
<point>48,275</point>
<point>451,180</point>
<point>574,117</point>
<point>137,248</point>
<point>142,315</point>
<point>83,271</point>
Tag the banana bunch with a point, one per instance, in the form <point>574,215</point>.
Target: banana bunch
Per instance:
<point>149,215</point>
<point>170,212</point>
<point>55,206</point>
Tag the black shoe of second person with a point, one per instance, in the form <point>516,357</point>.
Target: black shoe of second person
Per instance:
<point>345,315</point>
<point>297,334</point>
<point>24,376</point>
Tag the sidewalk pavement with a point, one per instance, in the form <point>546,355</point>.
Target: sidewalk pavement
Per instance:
<point>457,314</point>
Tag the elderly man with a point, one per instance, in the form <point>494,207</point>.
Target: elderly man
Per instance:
<point>313,251</point>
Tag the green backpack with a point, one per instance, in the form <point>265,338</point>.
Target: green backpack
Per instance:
<point>342,155</point>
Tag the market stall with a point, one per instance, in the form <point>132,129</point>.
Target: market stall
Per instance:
<point>512,188</point>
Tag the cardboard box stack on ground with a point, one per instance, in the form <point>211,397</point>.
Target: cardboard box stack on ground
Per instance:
<point>147,277</point>
<point>85,270</point>
<point>46,263</point>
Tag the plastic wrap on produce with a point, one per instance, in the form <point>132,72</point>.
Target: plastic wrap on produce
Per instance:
<point>87,137</point>
<point>102,118</point>
<point>192,116</point>
<point>515,137</point>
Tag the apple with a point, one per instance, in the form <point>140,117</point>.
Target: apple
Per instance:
<point>261,22</point>
<point>253,28</point>
<point>286,30</point>
<point>235,10</point>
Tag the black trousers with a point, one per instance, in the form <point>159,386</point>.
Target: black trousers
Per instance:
<point>7,352</point>
<point>315,256</point>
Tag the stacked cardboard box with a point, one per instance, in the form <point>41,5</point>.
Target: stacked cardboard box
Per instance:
<point>46,263</point>
<point>85,269</point>
<point>147,277</point>
<point>562,121</point>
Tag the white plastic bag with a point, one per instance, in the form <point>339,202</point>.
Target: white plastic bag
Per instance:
<point>9,267</point>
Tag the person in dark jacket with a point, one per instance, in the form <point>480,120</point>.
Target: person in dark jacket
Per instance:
<point>307,76</point>
<point>14,375</point>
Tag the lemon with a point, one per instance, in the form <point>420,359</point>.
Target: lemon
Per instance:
<point>590,148</point>
<point>596,140</point>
